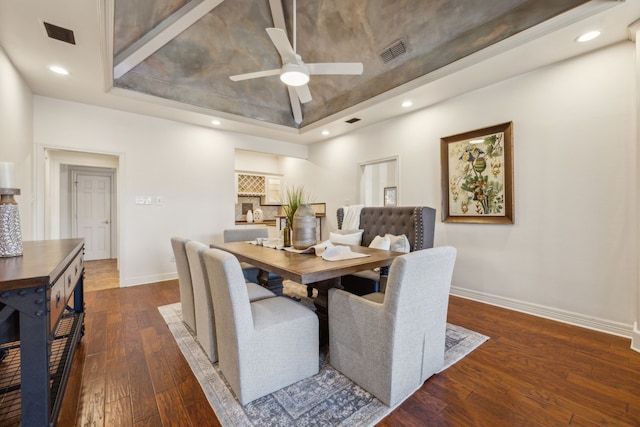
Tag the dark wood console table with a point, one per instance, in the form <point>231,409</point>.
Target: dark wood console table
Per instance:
<point>40,287</point>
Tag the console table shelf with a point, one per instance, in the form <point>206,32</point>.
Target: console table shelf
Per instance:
<point>41,296</point>
<point>67,335</point>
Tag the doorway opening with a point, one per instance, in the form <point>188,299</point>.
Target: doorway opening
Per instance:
<point>82,201</point>
<point>374,177</point>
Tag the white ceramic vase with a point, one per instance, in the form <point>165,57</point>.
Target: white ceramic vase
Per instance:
<point>249,216</point>
<point>258,215</point>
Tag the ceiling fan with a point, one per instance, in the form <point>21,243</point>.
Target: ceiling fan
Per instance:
<point>294,72</point>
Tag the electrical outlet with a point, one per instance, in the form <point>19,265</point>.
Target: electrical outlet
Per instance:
<point>173,259</point>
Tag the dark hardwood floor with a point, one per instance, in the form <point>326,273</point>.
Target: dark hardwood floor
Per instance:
<point>532,372</point>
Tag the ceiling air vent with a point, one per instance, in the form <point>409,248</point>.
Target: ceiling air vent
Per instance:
<point>353,120</point>
<point>396,49</point>
<point>59,33</point>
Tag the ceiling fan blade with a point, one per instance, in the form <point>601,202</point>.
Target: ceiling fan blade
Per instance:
<point>303,93</point>
<point>281,42</point>
<point>295,105</point>
<point>277,14</point>
<point>255,75</point>
<point>354,68</point>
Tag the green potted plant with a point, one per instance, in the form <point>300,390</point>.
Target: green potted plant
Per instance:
<point>295,197</point>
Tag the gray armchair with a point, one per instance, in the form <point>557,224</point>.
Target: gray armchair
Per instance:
<point>391,347</point>
<point>203,304</point>
<point>415,222</point>
<point>264,345</point>
<point>178,244</point>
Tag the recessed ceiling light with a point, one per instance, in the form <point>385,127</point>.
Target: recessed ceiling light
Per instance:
<point>59,70</point>
<point>325,132</point>
<point>215,122</point>
<point>588,36</point>
<point>407,104</point>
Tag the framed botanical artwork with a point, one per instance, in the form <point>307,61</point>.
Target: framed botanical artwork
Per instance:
<point>390,196</point>
<point>477,176</point>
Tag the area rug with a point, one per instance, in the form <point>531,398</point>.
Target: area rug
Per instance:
<point>326,399</point>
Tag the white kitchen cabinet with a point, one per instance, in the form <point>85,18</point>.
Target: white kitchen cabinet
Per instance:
<point>273,191</point>
<point>250,185</point>
<point>268,187</point>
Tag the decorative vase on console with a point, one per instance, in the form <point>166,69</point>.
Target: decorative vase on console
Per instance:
<point>10,234</point>
<point>249,216</point>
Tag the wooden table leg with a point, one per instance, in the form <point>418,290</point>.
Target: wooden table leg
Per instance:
<point>271,281</point>
<point>322,306</point>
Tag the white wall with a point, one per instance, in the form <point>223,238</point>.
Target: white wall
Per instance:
<point>190,167</point>
<point>572,253</point>
<point>635,28</point>
<point>251,161</point>
<point>16,137</point>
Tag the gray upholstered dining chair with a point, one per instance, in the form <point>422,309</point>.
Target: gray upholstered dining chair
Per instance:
<point>264,345</point>
<point>391,346</point>
<point>205,319</point>
<point>251,272</point>
<point>244,235</point>
<point>178,244</point>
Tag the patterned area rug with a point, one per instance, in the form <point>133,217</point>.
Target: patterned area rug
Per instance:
<point>326,399</point>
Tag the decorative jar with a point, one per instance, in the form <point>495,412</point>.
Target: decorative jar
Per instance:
<point>304,227</point>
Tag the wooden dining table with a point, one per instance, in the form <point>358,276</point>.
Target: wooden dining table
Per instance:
<point>308,269</point>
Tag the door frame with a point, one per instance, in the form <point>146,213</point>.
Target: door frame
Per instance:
<point>377,188</point>
<point>74,171</point>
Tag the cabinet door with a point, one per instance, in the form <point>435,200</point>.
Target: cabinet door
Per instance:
<point>273,191</point>
<point>250,185</point>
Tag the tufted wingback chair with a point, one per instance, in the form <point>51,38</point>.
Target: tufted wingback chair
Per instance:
<point>415,222</point>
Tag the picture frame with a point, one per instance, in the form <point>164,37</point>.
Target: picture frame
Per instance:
<point>477,176</point>
<point>390,196</point>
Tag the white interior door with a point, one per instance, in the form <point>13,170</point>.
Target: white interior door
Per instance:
<point>93,214</point>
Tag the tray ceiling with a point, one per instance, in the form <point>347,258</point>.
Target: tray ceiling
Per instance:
<point>193,67</point>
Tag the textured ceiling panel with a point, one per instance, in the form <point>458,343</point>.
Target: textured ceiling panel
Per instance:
<point>195,66</point>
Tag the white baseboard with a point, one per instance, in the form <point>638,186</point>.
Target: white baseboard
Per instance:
<point>635,339</point>
<point>143,280</point>
<point>577,319</point>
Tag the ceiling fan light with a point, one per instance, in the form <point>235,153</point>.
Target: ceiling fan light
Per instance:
<point>294,75</point>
